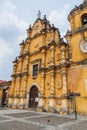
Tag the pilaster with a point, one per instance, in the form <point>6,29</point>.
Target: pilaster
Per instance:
<point>64,104</point>
<point>23,92</point>
<point>52,49</point>
<point>51,107</point>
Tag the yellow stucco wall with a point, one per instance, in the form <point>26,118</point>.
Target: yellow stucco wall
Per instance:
<point>60,66</point>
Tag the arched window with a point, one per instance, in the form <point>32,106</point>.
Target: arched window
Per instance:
<point>84,19</point>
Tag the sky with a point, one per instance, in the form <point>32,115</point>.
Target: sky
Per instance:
<point>15,18</point>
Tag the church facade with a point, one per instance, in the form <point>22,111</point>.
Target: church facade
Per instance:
<point>48,70</point>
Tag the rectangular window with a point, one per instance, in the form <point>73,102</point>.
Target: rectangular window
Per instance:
<point>35,70</point>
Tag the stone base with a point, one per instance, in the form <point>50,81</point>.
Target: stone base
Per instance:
<point>41,103</point>
<point>63,111</point>
<point>14,106</point>
<point>21,106</point>
<point>51,109</point>
<point>40,109</point>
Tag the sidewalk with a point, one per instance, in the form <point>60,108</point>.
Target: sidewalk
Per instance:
<point>32,120</point>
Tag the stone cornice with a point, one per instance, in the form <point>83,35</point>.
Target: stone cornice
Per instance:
<point>52,67</point>
<point>80,29</point>
<point>20,74</point>
<point>43,69</point>
<point>78,8</point>
<point>83,62</point>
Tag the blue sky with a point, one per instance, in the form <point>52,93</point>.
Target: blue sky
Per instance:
<point>17,15</point>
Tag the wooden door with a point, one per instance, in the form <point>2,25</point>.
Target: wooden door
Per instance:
<point>33,98</point>
<point>4,97</point>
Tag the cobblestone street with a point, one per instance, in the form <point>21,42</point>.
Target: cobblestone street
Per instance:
<point>14,119</point>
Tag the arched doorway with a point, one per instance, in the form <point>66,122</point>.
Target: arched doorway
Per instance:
<point>33,97</point>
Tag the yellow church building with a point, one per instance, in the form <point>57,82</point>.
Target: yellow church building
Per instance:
<point>48,71</point>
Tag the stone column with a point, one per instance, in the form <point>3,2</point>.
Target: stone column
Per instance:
<point>64,104</point>
<point>69,49</point>
<point>43,58</point>
<point>63,50</point>
<point>11,99</point>
<point>17,100</point>
<point>64,93</point>
<point>23,93</point>
<point>52,83</point>
<point>41,95</point>
<point>52,55</point>
<point>51,107</point>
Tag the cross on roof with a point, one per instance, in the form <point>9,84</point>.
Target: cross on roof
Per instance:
<point>39,14</point>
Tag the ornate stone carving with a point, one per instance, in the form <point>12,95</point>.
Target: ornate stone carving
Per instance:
<point>59,85</point>
<point>58,57</point>
<point>36,44</point>
<point>48,86</point>
<point>48,60</point>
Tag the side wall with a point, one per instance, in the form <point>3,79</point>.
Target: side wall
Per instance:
<point>77,83</point>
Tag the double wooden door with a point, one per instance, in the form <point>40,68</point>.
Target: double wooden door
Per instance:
<point>33,97</point>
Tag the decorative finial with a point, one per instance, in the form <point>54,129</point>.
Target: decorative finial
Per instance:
<point>44,16</point>
<point>53,25</point>
<point>30,27</point>
<point>39,14</point>
<point>22,41</point>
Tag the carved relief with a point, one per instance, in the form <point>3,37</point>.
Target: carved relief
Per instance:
<point>58,57</point>
<point>37,30</point>
<point>36,44</point>
<point>59,84</point>
<point>48,86</point>
<point>48,60</point>
<point>49,39</point>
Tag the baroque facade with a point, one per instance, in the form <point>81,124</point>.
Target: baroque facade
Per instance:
<point>48,70</point>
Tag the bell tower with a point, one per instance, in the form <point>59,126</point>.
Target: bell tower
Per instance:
<point>77,36</point>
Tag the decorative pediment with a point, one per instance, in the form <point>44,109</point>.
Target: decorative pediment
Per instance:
<point>37,27</point>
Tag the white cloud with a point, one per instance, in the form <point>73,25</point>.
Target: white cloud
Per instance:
<point>12,31</point>
<point>59,18</point>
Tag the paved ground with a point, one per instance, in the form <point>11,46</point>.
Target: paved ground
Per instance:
<point>14,119</point>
